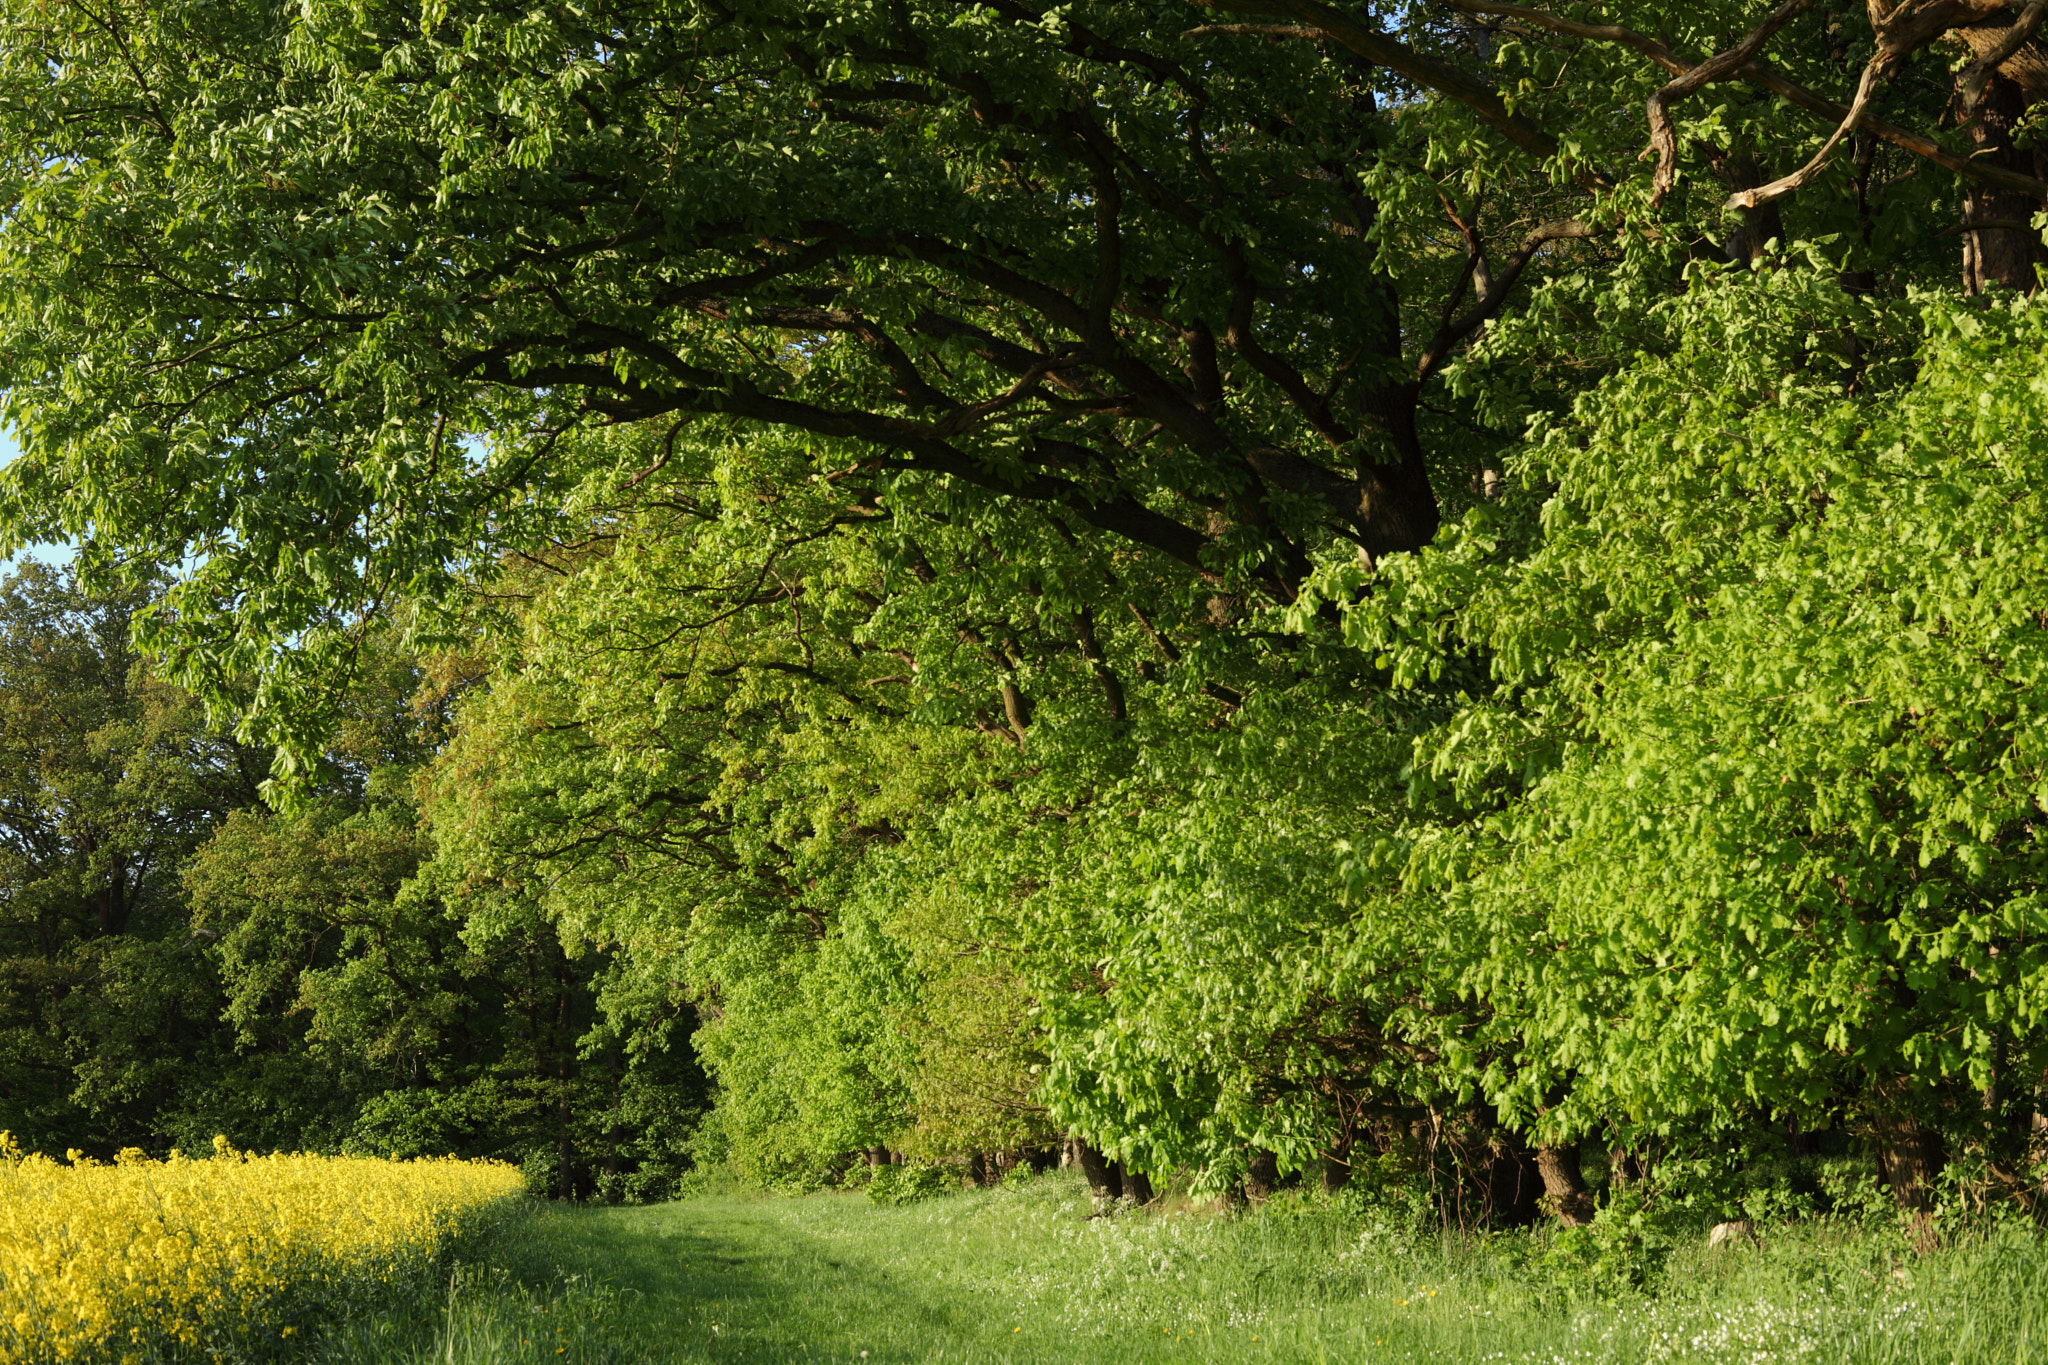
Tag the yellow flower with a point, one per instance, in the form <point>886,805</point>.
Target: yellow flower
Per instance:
<point>164,1254</point>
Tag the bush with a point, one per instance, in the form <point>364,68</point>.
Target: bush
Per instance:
<point>907,1184</point>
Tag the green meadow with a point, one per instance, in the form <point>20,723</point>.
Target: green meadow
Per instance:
<point>1032,1275</point>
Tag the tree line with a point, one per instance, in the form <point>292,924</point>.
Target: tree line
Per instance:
<point>1264,588</point>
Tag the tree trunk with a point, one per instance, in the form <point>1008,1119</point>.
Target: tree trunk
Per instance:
<point>1262,1176</point>
<point>1563,1185</point>
<point>1337,1158</point>
<point>2004,251</point>
<point>1101,1172</point>
<point>1137,1185</point>
<point>1756,228</point>
<point>1910,1156</point>
<point>977,1169</point>
<point>1017,710</point>
<point>1397,507</point>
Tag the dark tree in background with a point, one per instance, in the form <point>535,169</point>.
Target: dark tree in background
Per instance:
<point>109,1005</point>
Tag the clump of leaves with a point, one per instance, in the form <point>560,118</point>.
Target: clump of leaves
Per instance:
<point>908,1184</point>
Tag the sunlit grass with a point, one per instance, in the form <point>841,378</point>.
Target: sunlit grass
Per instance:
<point>1028,1276</point>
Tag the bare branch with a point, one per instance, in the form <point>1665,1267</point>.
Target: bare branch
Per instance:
<point>1721,66</point>
<point>1978,74</point>
<point>1761,74</point>
<point>1799,179</point>
<point>1757,73</point>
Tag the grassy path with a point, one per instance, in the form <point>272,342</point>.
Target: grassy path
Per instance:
<point>834,1278</point>
<point>1028,1278</point>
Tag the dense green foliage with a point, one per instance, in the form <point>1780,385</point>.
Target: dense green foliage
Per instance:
<point>182,962</point>
<point>111,1016</point>
<point>1255,585</point>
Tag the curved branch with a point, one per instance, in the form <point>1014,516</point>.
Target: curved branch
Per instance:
<point>1757,73</point>
<point>1722,66</point>
<point>1799,179</point>
<point>1761,75</point>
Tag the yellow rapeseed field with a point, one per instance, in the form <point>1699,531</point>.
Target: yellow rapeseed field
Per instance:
<point>220,1256</point>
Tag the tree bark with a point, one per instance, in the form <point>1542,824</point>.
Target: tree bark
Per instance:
<point>2006,251</point>
<point>1757,227</point>
<point>1017,710</point>
<point>1137,1185</point>
<point>1563,1184</point>
<point>1101,1172</point>
<point>1910,1156</point>
<point>1397,507</point>
<point>1261,1176</point>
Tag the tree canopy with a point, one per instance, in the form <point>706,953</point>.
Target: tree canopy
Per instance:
<point>1232,580</point>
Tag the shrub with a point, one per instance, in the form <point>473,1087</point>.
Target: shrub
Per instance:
<point>907,1184</point>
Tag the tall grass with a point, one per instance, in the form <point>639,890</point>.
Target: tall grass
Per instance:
<point>1029,1275</point>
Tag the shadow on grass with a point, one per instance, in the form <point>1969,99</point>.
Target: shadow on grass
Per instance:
<point>728,1281</point>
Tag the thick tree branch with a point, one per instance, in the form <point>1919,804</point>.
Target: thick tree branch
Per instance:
<point>1760,74</point>
<point>1792,92</point>
<point>1978,74</point>
<point>1799,179</point>
<point>705,391</point>
<point>1721,66</point>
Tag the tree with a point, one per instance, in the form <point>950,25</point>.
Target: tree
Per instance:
<point>1747,823</point>
<point>430,1016</point>
<point>934,485</point>
<point>1205,288</point>
<point>109,779</point>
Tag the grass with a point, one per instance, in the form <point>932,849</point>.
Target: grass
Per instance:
<point>1027,1276</point>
